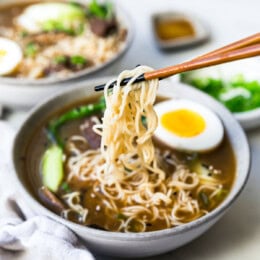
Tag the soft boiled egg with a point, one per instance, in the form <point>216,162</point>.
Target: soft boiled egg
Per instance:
<point>188,126</point>
<point>10,56</point>
<point>50,16</point>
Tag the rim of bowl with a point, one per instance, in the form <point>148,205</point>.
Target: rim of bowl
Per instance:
<point>124,19</point>
<point>247,115</point>
<point>152,235</point>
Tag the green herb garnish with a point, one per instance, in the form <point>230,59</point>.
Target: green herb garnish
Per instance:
<point>127,170</point>
<point>79,29</point>
<point>121,216</point>
<point>75,113</point>
<point>31,49</point>
<point>101,11</point>
<point>60,59</point>
<point>76,4</point>
<point>144,121</point>
<point>221,194</point>
<point>78,60</point>
<point>65,187</point>
<point>66,18</point>
<point>23,34</point>
<point>204,199</point>
<point>56,26</point>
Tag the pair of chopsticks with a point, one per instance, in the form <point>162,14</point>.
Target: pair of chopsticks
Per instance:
<point>245,48</point>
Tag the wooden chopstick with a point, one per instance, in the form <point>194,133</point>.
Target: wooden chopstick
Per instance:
<point>253,39</point>
<point>216,59</point>
<point>245,48</point>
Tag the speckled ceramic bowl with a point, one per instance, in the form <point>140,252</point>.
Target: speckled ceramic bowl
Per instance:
<point>134,244</point>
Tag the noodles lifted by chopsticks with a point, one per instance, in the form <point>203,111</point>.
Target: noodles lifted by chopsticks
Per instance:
<point>128,125</point>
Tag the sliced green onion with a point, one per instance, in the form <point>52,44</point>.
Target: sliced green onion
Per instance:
<point>76,113</point>
<point>23,34</point>
<point>101,11</point>
<point>221,194</point>
<point>65,187</point>
<point>31,49</point>
<point>144,121</point>
<point>121,216</point>
<point>60,59</point>
<point>78,60</point>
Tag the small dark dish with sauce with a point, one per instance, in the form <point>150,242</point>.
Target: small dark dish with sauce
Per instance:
<point>176,30</point>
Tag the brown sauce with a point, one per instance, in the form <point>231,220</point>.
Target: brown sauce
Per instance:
<point>173,29</point>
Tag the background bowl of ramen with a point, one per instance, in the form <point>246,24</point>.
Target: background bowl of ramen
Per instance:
<point>132,244</point>
<point>25,92</point>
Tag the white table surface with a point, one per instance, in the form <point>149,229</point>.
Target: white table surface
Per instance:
<point>237,235</point>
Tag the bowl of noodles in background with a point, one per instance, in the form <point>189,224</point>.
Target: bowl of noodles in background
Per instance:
<point>72,41</point>
<point>95,178</point>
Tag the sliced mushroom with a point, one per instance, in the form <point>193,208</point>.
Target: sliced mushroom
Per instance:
<point>102,27</point>
<point>94,140</point>
<point>50,200</point>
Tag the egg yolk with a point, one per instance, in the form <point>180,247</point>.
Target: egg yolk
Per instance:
<point>2,53</point>
<point>183,122</point>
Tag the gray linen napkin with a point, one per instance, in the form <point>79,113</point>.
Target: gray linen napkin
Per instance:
<point>23,234</point>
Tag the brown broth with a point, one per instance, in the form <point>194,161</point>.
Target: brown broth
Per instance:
<point>221,158</point>
<point>9,11</point>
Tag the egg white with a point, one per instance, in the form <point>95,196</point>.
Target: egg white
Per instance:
<point>12,56</point>
<point>207,140</point>
<point>34,16</point>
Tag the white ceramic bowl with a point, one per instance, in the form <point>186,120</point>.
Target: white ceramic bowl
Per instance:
<point>24,92</point>
<point>134,244</point>
<point>249,120</point>
<point>249,68</point>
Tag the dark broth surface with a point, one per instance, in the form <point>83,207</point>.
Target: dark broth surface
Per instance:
<point>222,158</point>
